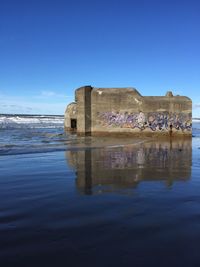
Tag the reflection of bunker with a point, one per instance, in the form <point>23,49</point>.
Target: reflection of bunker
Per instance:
<point>102,111</point>
<point>111,169</point>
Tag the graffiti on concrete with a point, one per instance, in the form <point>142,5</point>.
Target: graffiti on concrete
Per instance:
<point>155,121</point>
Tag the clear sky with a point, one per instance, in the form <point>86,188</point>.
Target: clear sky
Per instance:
<point>48,48</point>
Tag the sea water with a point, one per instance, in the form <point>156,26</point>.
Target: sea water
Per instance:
<point>75,201</point>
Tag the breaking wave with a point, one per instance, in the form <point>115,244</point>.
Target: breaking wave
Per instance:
<point>31,121</point>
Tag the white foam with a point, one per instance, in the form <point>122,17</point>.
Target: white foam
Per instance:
<point>196,120</point>
<point>30,121</point>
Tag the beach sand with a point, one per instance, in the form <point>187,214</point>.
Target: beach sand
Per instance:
<point>102,202</point>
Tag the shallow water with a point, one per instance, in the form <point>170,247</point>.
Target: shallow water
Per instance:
<point>98,202</point>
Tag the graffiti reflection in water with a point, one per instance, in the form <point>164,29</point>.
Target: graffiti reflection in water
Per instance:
<point>110,169</point>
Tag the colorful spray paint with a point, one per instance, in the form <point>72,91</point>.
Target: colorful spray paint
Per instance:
<point>162,121</point>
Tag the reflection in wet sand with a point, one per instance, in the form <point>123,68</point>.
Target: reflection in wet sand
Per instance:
<point>110,168</point>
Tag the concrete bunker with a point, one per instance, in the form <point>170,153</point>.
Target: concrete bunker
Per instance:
<point>71,117</point>
<point>124,111</point>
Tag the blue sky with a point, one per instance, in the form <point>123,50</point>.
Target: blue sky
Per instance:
<point>49,48</point>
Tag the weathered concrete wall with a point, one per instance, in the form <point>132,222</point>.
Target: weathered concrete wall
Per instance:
<point>70,113</point>
<point>108,104</point>
<point>83,97</point>
<point>125,111</point>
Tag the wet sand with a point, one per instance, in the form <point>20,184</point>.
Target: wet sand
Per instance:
<point>102,202</point>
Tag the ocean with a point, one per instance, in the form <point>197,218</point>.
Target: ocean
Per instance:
<point>89,201</point>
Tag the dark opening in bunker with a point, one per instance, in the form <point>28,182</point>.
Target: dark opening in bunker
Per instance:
<point>73,124</point>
